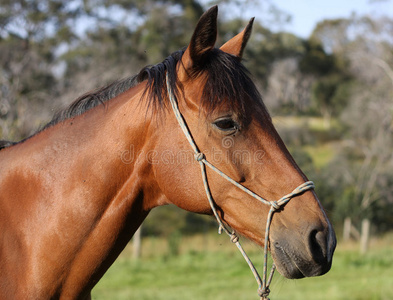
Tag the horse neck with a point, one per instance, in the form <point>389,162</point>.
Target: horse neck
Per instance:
<point>84,182</point>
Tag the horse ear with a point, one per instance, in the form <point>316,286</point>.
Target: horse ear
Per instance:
<point>203,39</point>
<point>236,45</point>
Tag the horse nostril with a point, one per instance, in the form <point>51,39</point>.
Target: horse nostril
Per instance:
<point>318,245</point>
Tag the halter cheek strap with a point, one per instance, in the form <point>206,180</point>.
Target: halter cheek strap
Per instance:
<point>264,283</point>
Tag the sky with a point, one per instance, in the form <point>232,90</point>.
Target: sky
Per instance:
<point>305,14</point>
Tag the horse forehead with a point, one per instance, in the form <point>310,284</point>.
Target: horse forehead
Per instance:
<point>194,86</point>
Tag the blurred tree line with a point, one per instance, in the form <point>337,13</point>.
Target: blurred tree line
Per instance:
<point>52,51</point>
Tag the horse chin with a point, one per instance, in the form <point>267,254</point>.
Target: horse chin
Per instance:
<point>292,265</point>
<point>285,264</point>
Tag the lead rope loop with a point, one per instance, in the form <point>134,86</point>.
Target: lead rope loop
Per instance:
<point>264,283</point>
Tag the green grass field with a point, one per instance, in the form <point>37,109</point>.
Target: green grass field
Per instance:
<point>209,267</point>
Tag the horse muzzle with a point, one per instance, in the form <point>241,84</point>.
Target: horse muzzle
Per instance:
<point>305,255</point>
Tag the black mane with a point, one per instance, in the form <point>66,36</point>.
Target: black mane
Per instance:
<point>226,80</point>
<point>156,82</point>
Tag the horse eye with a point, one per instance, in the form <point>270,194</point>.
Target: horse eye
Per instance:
<point>226,124</point>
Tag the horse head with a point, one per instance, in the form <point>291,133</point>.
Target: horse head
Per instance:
<point>232,129</point>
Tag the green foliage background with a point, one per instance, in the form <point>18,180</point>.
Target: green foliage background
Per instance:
<point>217,271</point>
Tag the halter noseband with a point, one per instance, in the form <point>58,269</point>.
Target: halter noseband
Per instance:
<point>264,283</point>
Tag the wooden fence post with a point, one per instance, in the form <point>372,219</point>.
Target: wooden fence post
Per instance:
<point>347,229</point>
<point>365,236</point>
<point>137,243</point>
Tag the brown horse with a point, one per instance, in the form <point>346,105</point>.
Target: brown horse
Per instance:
<point>73,194</point>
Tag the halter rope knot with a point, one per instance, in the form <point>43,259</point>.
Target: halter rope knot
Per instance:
<point>234,238</point>
<point>199,156</point>
<point>264,294</point>
<point>274,205</point>
<point>263,283</point>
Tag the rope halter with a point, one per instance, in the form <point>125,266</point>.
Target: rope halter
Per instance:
<point>264,283</point>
